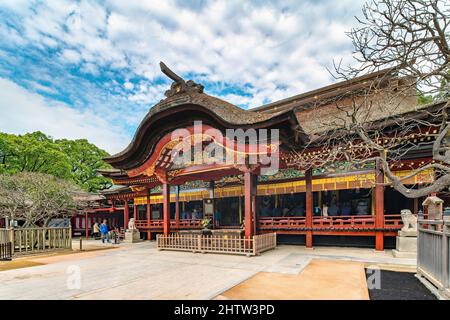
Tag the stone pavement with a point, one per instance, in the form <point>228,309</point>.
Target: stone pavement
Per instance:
<point>139,271</point>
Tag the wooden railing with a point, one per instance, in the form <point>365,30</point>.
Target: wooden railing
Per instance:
<point>366,222</point>
<point>433,253</point>
<point>393,221</point>
<point>274,223</point>
<point>31,240</point>
<point>217,244</point>
<point>344,222</point>
<point>159,224</point>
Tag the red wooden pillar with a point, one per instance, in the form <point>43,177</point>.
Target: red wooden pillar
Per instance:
<point>416,206</point>
<point>126,214</point>
<point>149,215</point>
<point>177,207</point>
<point>254,193</point>
<point>135,211</point>
<point>248,201</point>
<point>166,207</point>
<point>379,207</point>
<point>86,226</point>
<point>309,208</point>
<point>212,186</point>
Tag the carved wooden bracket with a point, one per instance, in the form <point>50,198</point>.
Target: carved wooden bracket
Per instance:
<point>253,168</point>
<point>161,175</point>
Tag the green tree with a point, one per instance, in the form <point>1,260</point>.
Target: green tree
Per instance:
<point>85,158</point>
<point>32,152</point>
<point>75,160</point>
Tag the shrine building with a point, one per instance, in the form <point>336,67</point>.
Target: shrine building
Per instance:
<point>167,189</point>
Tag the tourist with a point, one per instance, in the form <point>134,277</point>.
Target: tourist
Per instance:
<point>346,209</point>
<point>96,230</point>
<point>277,212</point>
<point>266,211</point>
<point>333,210</point>
<point>298,210</point>
<point>104,231</point>
<point>114,234</point>
<point>325,210</point>
<point>216,218</point>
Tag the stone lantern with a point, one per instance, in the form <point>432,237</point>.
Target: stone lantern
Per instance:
<point>433,207</point>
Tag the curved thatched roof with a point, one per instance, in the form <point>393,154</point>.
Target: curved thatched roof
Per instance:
<point>182,108</point>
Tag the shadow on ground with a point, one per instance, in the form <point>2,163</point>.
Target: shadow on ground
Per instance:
<point>400,286</point>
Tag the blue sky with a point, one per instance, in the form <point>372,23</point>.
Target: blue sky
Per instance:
<point>89,69</point>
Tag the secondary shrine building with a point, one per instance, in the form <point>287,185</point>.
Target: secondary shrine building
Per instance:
<point>268,190</point>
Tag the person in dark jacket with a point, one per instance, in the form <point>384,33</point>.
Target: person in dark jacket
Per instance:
<point>104,230</point>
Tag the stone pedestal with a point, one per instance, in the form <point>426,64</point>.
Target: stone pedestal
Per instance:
<point>406,246</point>
<point>132,236</point>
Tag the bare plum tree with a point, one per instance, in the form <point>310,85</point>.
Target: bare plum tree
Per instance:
<point>402,110</point>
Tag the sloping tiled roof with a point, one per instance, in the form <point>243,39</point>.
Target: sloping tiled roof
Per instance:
<point>116,189</point>
<point>304,100</point>
<point>112,173</point>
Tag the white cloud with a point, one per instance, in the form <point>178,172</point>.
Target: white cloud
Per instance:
<point>22,111</point>
<point>103,58</point>
<point>70,56</point>
<point>128,85</point>
<point>39,87</point>
<point>285,44</point>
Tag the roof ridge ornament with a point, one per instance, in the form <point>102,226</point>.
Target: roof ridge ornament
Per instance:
<point>179,85</point>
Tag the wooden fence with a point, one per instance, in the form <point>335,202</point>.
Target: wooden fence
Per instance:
<point>5,244</point>
<point>34,240</point>
<point>5,235</point>
<point>433,253</point>
<point>227,244</point>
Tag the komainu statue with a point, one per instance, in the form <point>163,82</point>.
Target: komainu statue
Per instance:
<point>131,225</point>
<point>409,220</point>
